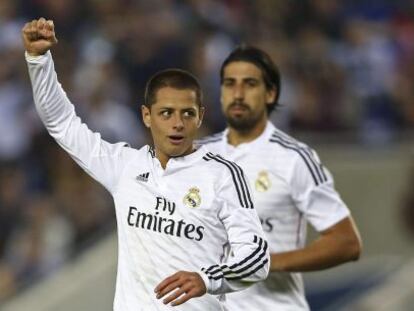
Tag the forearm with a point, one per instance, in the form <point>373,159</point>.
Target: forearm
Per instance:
<point>52,104</point>
<point>98,158</point>
<point>337,245</point>
<point>317,256</point>
<point>103,161</point>
<point>249,266</point>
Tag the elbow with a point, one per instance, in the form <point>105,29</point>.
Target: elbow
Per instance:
<point>357,250</point>
<point>266,267</point>
<point>351,243</point>
<point>265,270</point>
<point>262,273</point>
<point>354,248</point>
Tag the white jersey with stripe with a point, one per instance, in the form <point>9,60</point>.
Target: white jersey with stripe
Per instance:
<point>183,217</point>
<point>291,188</point>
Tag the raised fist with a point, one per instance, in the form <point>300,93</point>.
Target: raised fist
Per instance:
<point>39,36</point>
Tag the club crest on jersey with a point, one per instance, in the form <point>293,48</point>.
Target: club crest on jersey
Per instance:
<point>192,199</point>
<point>262,182</point>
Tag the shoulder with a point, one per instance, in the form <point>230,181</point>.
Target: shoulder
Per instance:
<point>129,152</point>
<point>229,174</point>
<point>285,141</point>
<point>294,149</point>
<point>222,168</point>
<point>210,140</point>
<point>297,155</point>
<point>218,162</point>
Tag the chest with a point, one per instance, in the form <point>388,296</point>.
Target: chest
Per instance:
<point>144,194</point>
<point>267,178</point>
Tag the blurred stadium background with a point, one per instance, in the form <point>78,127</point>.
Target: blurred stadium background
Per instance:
<point>347,89</point>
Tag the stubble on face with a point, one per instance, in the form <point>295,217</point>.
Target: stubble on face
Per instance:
<point>243,96</point>
<point>246,120</point>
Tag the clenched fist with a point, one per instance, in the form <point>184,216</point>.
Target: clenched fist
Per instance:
<point>39,36</point>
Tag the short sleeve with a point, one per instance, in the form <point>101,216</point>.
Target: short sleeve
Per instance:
<point>313,191</point>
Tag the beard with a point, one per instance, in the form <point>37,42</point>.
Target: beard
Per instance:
<point>246,122</point>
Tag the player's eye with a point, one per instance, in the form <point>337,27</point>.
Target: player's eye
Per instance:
<point>189,113</point>
<point>165,113</point>
<point>228,83</point>
<point>251,83</point>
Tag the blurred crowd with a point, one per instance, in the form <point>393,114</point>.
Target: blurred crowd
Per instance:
<point>347,67</point>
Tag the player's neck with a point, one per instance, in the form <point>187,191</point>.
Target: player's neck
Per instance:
<point>164,158</point>
<point>237,137</point>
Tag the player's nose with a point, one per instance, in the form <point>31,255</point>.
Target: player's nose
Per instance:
<point>178,123</point>
<point>238,92</point>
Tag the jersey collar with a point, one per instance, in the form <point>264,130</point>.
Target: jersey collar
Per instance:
<point>177,163</point>
<point>261,139</point>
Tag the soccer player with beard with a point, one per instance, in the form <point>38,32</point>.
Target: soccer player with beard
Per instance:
<point>178,208</point>
<point>292,187</point>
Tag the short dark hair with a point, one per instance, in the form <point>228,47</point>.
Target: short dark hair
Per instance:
<point>263,61</point>
<point>175,78</point>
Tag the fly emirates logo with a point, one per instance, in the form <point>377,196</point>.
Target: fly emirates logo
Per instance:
<point>161,221</point>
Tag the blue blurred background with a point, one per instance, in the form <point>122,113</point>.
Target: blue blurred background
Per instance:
<point>347,89</point>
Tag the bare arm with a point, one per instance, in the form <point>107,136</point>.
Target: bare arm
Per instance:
<point>336,245</point>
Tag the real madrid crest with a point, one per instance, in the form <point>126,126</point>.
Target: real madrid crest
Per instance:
<point>192,199</point>
<point>262,183</point>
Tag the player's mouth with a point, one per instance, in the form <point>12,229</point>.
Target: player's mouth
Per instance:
<point>176,139</point>
<point>238,109</point>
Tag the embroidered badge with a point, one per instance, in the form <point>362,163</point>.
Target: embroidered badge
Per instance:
<point>262,183</point>
<point>192,199</point>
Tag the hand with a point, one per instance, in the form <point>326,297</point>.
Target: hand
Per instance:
<point>183,285</point>
<point>39,36</point>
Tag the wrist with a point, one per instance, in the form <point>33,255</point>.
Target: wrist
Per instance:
<point>34,54</point>
<point>206,280</point>
<point>35,57</point>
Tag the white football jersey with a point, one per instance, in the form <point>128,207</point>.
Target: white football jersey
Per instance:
<point>291,187</point>
<point>183,217</point>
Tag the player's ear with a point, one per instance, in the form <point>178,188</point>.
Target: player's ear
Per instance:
<point>271,95</point>
<point>201,116</point>
<point>146,115</point>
